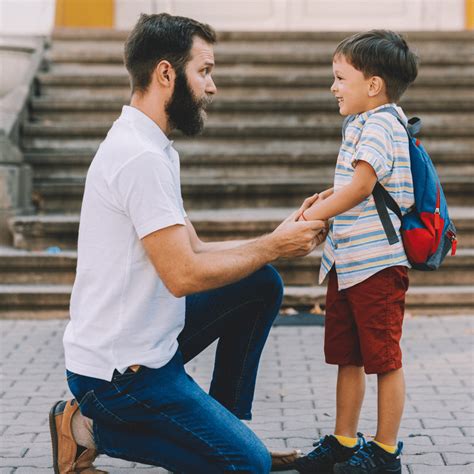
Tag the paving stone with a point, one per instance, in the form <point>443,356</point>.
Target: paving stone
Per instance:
<point>425,469</point>
<point>294,401</point>
<point>459,457</point>
<point>432,459</point>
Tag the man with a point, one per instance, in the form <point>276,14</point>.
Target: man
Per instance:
<point>149,295</point>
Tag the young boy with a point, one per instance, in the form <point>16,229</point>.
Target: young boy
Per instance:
<point>367,276</point>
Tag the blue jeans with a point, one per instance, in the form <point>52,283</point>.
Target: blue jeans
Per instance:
<point>162,417</point>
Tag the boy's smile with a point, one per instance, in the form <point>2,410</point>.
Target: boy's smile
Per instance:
<point>350,87</point>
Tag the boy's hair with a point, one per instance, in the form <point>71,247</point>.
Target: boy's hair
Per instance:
<point>161,37</point>
<point>381,53</point>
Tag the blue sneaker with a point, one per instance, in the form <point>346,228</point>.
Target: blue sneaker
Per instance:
<point>328,451</point>
<point>372,459</point>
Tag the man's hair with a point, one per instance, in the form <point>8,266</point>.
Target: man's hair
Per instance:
<point>381,53</point>
<point>161,37</point>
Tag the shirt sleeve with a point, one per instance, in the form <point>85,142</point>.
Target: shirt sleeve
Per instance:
<point>146,191</point>
<point>376,145</point>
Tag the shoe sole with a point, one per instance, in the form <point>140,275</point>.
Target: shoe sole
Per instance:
<point>54,436</point>
<point>396,470</point>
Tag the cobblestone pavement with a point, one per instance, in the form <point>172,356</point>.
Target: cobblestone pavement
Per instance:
<point>294,401</point>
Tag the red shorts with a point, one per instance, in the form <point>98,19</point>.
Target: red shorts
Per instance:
<point>363,324</point>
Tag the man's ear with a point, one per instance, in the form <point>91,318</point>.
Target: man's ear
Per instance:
<point>376,86</point>
<point>165,74</point>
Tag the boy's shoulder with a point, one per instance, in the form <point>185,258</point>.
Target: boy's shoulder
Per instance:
<point>386,123</point>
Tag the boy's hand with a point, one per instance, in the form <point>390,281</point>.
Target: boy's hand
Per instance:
<point>307,203</point>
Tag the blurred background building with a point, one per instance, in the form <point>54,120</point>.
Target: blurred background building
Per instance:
<point>271,138</point>
<point>40,16</point>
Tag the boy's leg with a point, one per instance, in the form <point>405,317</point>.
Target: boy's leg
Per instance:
<point>162,417</point>
<point>341,347</point>
<point>349,397</point>
<point>240,317</point>
<point>390,404</point>
<point>378,304</point>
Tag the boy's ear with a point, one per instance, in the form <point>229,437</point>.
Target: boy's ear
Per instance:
<point>376,86</point>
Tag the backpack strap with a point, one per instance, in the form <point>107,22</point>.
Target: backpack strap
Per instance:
<point>383,201</point>
<point>382,198</point>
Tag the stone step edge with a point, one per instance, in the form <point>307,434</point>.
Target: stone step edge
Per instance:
<point>91,34</point>
<point>25,302</point>
<point>11,252</point>
<point>221,215</point>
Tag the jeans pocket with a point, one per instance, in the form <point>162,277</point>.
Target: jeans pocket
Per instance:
<point>93,408</point>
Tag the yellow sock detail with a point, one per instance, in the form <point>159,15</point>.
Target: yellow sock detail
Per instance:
<point>386,447</point>
<point>346,441</point>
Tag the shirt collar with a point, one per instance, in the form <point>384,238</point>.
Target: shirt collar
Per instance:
<point>365,115</point>
<point>147,126</point>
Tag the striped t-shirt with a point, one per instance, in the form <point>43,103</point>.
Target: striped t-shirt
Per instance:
<point>357,244</point>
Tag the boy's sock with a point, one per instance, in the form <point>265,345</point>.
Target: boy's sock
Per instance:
<point>386,447</point>
<point>346,441</point>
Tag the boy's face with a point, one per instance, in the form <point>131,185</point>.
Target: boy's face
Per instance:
<point>350,88</point>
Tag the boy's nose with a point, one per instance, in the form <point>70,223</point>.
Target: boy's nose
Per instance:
<point>333,87</point>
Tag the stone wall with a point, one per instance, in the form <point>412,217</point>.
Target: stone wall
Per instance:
<point>20,60</point>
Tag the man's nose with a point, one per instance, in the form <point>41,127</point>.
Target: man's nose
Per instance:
<point>210,86</point>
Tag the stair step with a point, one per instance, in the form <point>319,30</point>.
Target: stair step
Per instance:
<point>52,301</point>
<point>94,34</point>
<point>423,300</point>
<point>263,125</point>
<point>107,104</point>
<point>57,196</point>
<point>20,267</point>
<point>234,154</point>
<point>98,77</point>
<point>40,232</point>
<point>435,52</point>
<point>318,160</point>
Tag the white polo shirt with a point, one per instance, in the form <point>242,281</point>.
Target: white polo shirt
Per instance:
<point>121,312</point>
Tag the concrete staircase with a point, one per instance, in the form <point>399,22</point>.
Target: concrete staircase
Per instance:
<point>271,140</point>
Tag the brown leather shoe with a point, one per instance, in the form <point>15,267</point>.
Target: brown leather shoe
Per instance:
<point>68,456</point>
<point>283,460</point>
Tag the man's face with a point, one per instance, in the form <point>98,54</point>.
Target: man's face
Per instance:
<point>193,90</point>
<point>350,87</point>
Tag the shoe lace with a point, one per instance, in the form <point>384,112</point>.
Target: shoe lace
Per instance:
<point>361,458</point>
<point>322,448</point>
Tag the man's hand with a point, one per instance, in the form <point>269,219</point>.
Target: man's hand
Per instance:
<point>307,203</point>
<point>296,239</point>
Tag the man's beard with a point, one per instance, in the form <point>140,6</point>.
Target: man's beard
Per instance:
<point>185,111</point>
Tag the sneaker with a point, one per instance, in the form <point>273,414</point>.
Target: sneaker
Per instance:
<point>327,453</point>
<point>371,458</point>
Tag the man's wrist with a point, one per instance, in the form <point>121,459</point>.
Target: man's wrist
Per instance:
<point>268,246</point>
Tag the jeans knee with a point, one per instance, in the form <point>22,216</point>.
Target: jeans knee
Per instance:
<point>271,284</point>
<point>259,461</point>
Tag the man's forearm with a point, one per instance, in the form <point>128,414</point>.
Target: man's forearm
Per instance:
<point>206,247</point>
<point>216,268</point>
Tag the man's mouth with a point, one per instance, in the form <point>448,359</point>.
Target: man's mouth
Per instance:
<point>340,100</point>
<point>206,102</point>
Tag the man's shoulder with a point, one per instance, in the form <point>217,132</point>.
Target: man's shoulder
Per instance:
<point>123,147</point>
